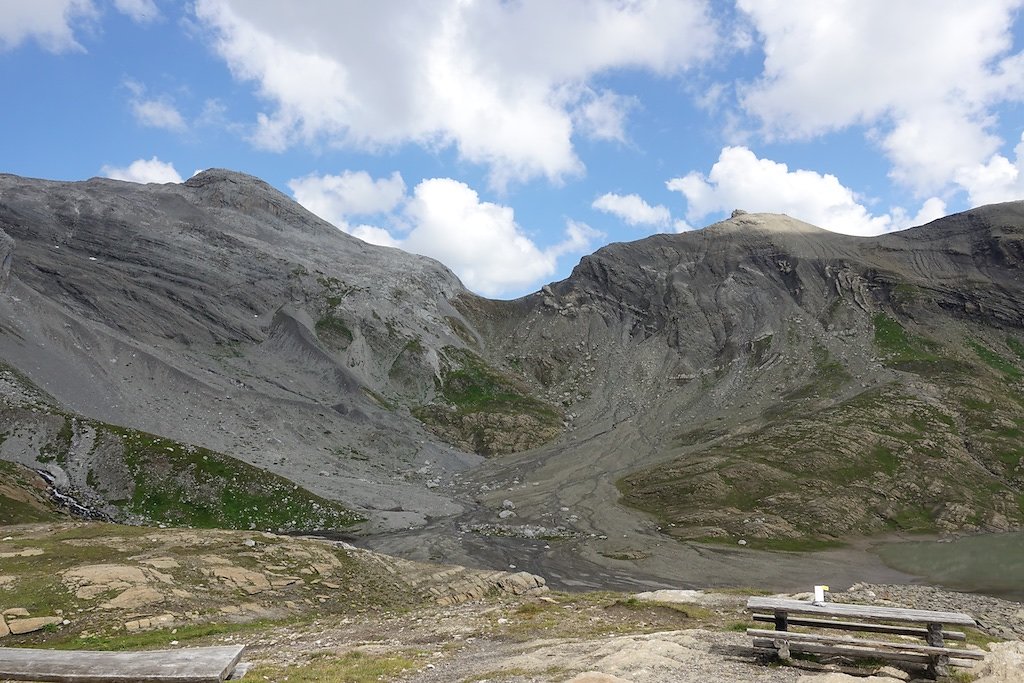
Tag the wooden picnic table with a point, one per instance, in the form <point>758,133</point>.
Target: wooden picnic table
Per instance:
<point>186,665</point>
<point>894,621</point>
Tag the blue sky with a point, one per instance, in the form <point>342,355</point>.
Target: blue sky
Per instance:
<point>507,139</point>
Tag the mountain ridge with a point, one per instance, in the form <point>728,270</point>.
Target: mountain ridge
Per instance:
<point>219,313</point>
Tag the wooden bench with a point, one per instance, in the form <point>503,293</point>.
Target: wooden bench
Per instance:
<point>831,615</point>
<point>187,665</point>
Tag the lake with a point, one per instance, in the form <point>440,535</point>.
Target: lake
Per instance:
<point>992,564</point>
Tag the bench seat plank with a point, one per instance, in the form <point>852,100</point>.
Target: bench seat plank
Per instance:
<point>917,616</point>
<point>792,636</point>
<point>820,649</point>
<point>187,665</point>
<point>861,626</point>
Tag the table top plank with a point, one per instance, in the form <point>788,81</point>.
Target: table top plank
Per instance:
<point>187,665</point>
<point>862,626</point>
<point>837,609</point>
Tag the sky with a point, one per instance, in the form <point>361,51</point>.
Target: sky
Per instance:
<point>508,138</point>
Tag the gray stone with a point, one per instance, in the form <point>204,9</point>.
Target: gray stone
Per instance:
<point>21,626</point>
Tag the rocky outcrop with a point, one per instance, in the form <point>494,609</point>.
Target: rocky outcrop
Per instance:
<point>478,585</point>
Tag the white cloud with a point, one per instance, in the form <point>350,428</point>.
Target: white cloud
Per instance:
<point>446,220</point>
<point>49,22</point>
<point>633,209</point>
<point>480,241</point>
<point>923,77</point>
<point>932,208</point>
<point>374,235</point>
<point>140,11</point>
<point>602,116</point>
<point>740,180</point>
<point>507,84</point>
<point>353,193</point>
<point>997,180</point>
<point>144,171</point>
<point>158,113</point>
<point>154,112</point>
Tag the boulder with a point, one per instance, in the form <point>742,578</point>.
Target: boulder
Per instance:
<point>20,626</point>
<point>1003,665</point>
<point>134,598</point>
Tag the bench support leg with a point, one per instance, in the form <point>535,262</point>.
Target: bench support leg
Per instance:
<point>939,666</point>
<point>782,648</point>
<point>934,636</point>
<point>781,621</point>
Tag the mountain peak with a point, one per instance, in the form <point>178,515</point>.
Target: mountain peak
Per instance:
<point>765,222</point>
<point>223,176</point>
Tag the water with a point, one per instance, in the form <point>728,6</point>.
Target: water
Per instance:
<point>992,564</point>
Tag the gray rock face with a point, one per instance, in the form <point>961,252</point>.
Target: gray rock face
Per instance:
<point>198,311</point>
<point>219,312</point>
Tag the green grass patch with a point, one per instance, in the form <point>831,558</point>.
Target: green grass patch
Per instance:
<point>57,448</point>
<point>741,626</point>
<point>1016,346</point>
<point>789,545</point>
<point>187,485</point>
<point>906,351</point>
<point>472,386</point>
<point>890,337</point>
<point>913,518</point>
<point>20,501</point>
<point>351,667</point>
<point>696,436</point>
<point>477,405</point>
<point>995,361</point>
<point>825,380</point>
<point>119,641</point>
<point>333,332</point>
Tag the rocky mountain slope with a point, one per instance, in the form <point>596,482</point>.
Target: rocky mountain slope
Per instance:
<point>761,379</point>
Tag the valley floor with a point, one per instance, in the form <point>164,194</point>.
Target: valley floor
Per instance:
<point>311,610</point>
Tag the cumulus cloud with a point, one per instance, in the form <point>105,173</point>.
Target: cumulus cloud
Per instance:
<point>158,114</point>
<point>633,209</point>
<point>352,193</point>
<point>997,180</point>
<point>602,115</point>
<point>50,22</point>
<point>140,11</point>
<point>154,112</point>
<point>449,73</point>
<point>144,171</point>
<point>739,179</point>
<point>923,78</point>
<point>446,220</point>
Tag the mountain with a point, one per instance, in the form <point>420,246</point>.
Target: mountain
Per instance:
<point>761,379</point>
